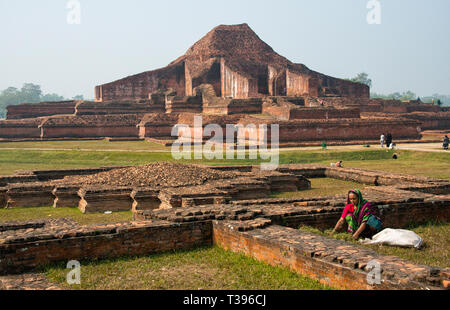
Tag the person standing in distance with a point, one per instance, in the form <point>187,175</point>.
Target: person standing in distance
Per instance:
<point>382,140</point>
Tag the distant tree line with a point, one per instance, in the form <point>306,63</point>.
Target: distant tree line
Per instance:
<point>29,93</point>
<point>438,99</point>
<point>406,95</point>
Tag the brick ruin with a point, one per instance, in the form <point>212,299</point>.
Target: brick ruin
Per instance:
<point>232,73</point>
<point>224,205</point>
<point>238,64</point>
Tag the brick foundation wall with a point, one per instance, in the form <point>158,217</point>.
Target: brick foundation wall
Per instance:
<point>81,132</point>
<point>3,197</point>
<point>265,228</point>
<point>24,128</point>
<point>320,113</point>
<point>423,108</point>
<point>105,241</point>
<point>140,86</point>
<point>31,110</point>
<point>104,108</point>
<point>346,130</point>
<point>396,215</point>
<point>331,262</point>
<point>277,254</point>
<point>155,130</point>
<point>371,108</point>
<point>20,132</point>
<point>395,109</point>
<point>280,112</point>
<point>245,106</point>
<point>431,121</point>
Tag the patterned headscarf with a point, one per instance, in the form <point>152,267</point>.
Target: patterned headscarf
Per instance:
<point>363,211</point>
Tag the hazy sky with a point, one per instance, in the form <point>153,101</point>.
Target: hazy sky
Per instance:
<point>409,50</point>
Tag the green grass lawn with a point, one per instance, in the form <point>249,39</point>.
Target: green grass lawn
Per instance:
<point>87,145</point>
<point>410,162</point>
<point>435,252</point>
<point>42,213</point>
<point>210,268</point>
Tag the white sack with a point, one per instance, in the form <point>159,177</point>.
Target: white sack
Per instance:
<point>396,237</point>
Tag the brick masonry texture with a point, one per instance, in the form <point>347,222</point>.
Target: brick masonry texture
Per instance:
<point>228,213</point>
<point>31,110</point>
<point>238,64</point>
<point>330,261</point>
<point>24,249</point>
<point>140,188</point>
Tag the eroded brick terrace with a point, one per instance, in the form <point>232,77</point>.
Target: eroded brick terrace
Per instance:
<point>232,211</point>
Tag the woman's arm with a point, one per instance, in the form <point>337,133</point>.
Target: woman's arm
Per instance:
<point>359,231</point>
<point>338,225</point>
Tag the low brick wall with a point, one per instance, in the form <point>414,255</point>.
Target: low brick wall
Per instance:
<point>105,199</point>
<point>396,210</point>
<point>331,262</point>
<point>5,180</point>
<point>26,128</point>
<point>149,130</point>
<point>3,198</point>
<point>346,129</point>
<point>124,107</point>
<point>19,196</point>
<point>21,250</point>
<point>245,106</point>
<point>395,215</point>
<point>48,175</point>
<point>31,110</point>
<point>66,196</point>
<point>324,113</point>
<point>81,132</point>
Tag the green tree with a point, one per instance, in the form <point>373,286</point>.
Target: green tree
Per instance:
<point>52,97</point>
<point>31,93</point>
<point>408,95</point>
<point>362,78</point>
<point>78,97</point>
<point>395,96</point>
<point>9,96</point>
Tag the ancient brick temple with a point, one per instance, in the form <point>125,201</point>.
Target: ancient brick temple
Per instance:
<point>230,76</point>
<point>238,64</point>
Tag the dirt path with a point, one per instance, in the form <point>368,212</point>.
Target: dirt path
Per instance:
<point>27,281</point>
<point>424,147</point>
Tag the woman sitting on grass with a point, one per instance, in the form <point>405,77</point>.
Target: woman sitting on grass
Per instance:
<point>360,217</point>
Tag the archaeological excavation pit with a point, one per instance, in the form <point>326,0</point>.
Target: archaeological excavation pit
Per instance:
<point>179,206</point>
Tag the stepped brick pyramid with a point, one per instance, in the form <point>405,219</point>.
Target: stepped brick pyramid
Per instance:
<point>238,64</point>
<point>230,76</point>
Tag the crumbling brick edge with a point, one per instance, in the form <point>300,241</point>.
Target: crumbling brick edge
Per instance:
<point>333,264</point>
